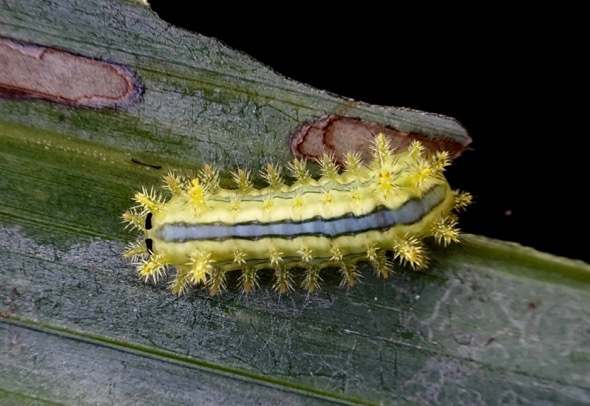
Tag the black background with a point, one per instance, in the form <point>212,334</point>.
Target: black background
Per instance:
<point>513,77</point>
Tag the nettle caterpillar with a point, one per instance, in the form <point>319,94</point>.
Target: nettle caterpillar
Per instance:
<point>357,213</point>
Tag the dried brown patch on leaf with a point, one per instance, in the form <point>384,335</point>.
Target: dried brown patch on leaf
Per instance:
<point>336,135</point>
<point>33,71</point>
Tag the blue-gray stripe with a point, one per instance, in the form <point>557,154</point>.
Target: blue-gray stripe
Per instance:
<point>381,219</point>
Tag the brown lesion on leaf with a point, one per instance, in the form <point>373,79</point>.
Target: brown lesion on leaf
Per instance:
<point>336,135</point>
<point>33,71</point>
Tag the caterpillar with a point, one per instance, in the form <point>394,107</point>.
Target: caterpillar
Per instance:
<point>355,213</point>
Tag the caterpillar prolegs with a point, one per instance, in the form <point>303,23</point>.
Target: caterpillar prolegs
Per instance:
<point>350,214</point>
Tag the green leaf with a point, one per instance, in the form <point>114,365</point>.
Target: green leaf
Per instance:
<point>490,322</point>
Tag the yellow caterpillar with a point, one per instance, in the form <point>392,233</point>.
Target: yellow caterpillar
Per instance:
<point>356,214</point>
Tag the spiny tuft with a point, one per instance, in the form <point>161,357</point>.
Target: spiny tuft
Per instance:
<point>134,219</point>
<point>275,257</point>
<point>415,149</point>
<point>336,254</point>
<point>201,266</point>
<point>445,230</point>
<point>312,279</point>
<point>272,175</point>
<point>239,257</point>
<point>154,268</point>
<point>462,200</point>
<point>249,279</point>
<point>283,280</point>
<point>242,180</point>
<point>180,284</point>
<point>135,251</point>
<point>306,254</point>
<point>209,178</point>
<point>352,163</point>
<point>216,281</point>
<point>350,275</point>
<point>440,161</point>
<point>382,265</point>
<point>197,195</point>
<point>382,152</point>
<point>148,201</point>
<point>422,172</point>
<point>175,183</point>
<point>299,171</point>
<point>328,167</point>
<point>410,250</point>
<point>384,182</point>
